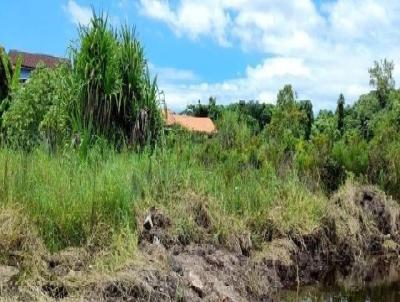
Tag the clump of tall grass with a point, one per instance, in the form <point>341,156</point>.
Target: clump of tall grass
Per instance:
<point>89,202</point>
<point>9,75</point>
<point>118,99</point>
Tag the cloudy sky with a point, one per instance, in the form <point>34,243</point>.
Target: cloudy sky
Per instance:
<point>230,49</point>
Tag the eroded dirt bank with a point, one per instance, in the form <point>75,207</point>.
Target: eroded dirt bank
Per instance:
<point>357,243</point>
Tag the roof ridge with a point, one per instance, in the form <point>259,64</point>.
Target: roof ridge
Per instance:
<point>34,54</point>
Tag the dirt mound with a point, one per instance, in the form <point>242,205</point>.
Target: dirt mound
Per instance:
<point>215,274</point>
<point>152,285</point>
<point>191,273</point>
<point>204,272</point>
<point>383,211</point>
<point>364,218</point>
<point>360,233</point>
<point>356,243</point>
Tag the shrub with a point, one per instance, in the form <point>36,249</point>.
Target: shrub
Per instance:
<point>352,153</point>
<point>233,133</point>
<point>36,112</point>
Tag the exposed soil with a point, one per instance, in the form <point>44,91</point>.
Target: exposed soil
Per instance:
<point>357,243</point>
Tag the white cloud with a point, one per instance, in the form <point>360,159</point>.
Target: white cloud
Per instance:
<point>278,67</point>
<point>321,51</point>
<point>193,18</point>
<point>78,14</point>
<point>170,75</point>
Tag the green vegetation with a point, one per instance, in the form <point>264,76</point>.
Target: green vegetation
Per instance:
<point>116,98</point>
<point>70,199</point>
<point>84,155</point>
<point>9,78</point>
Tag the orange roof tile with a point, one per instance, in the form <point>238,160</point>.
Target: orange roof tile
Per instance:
<point>195,124</point>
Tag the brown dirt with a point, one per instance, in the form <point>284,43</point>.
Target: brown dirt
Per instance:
<point>357,243</point>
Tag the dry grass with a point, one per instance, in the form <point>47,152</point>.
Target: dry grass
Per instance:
<point>278,250</point>
<point>20,244</point>
<point>354,217</point>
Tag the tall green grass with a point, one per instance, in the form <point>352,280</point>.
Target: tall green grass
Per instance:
<point>117,98</point>
<point>77,202</point>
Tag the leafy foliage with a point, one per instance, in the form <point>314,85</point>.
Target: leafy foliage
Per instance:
<point>307,109</point>
<point>38,105</point>
<point>117,99</point>
<point>210,110</point>
<point>107,97</point>
<point>268,168</point>
<point>382,79</point>
<point>359,140</point>
<point>9,81</point>
<point>340,114</point>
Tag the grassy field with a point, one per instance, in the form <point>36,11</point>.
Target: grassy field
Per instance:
<point>70,199</point>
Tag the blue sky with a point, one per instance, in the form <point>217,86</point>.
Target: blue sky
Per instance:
<point>231,49</point>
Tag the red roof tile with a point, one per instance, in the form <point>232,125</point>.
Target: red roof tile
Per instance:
<point>31,60</point>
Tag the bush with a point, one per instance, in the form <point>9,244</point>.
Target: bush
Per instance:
<point>232,133</point>
<point>352,153</point>
<point>38,109</point>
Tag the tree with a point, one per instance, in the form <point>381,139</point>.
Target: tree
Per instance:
<point>340,114</point>
<point>257,115</point>
<point>211,110</point>
<point>197,110</point>
<point>306,107</point>
<point>381,78</point>
<point>214,111</point>
<point>365,111</point>
<point>286,96</point>
<point>287,122</point>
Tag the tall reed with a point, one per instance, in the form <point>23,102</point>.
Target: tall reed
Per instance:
<point>118,99</point>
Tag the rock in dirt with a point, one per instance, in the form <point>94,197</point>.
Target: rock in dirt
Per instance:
<point>69,260</point>
<point>155,229</point>
<point>240,244</point>
<point>196,284</point>
<point>245,244</point>
<point>148,223</point>
<point>55,290</point>
<point>7,273</point>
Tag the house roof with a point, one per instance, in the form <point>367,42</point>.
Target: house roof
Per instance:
<point>31,60</point>
<point>191,123</point>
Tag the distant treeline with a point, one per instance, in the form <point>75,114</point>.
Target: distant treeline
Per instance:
<point>362,139</point>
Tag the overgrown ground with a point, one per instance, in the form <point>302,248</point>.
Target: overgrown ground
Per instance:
<point>71,199</point>
<point>98,201</point>
<point>76,228</point>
